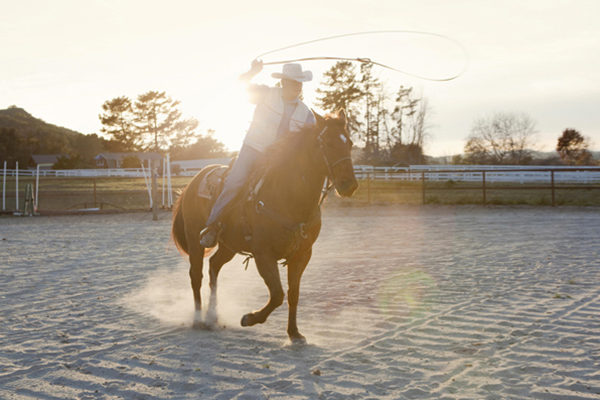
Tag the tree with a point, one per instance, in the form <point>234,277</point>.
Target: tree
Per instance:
<point>131,162</point>
<point>407,153</point>
<point>11,147</point>
<point>370,87</point>
<point>503,138</point>
<point>381,124</point>
<point>404,107</point>
<point>206,146</point>
<point>117,122</point>
<point>572,148</point>
<point>418,128</point>
<point>68,162</point>
<point>153,122</point>
<point>342,92</point>
<point>158,122</point>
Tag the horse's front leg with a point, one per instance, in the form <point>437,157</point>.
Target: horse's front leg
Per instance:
<point>196,263</point>
<point>296,266</point>
<point>268,270</point>
<point>216,262</point>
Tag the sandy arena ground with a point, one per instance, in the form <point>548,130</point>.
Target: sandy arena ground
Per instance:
<point>397,303</point>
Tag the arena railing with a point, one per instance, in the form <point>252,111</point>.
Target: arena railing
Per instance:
<point>538,178</point>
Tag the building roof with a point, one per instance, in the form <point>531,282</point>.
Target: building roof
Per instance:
<point>120,156</point>
<point>199,164</point>
<point>46,158</point>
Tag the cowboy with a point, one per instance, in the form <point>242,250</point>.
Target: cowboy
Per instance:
<point>278,111</point>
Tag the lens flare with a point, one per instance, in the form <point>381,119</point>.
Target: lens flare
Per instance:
<point>407,294</point>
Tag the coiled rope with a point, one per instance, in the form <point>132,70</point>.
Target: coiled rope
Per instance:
<point>368,60</point>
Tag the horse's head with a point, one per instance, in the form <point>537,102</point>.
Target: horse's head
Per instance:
<point>335,146</point>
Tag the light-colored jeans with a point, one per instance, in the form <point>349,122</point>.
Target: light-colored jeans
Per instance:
<point>235,181</point>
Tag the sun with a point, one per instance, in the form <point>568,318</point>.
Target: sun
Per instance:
<point>227,111</point>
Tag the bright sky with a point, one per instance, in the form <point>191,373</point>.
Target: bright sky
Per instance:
<point>62,59</point>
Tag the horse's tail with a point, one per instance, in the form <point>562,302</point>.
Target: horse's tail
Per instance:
<point>178,229</point>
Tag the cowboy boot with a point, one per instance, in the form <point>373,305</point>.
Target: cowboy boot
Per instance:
<point>210,235</point>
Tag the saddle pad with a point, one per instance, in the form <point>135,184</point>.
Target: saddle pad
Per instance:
<point>211,182</point>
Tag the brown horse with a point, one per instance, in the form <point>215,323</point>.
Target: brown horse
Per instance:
<point>281,221</point>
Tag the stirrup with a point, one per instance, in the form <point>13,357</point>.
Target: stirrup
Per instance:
<point>209,236</point>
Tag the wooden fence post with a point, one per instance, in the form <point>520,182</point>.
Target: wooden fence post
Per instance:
<point>423,187</point>
<point>483,187</point>
<point>154,172</point>
<point>369,187</point>
<point>552,183</point>
<point>94,192</point>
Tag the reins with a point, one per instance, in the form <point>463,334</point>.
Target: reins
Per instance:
<point>327,186</point>
<point>298,229</point>
<point>329,165</point>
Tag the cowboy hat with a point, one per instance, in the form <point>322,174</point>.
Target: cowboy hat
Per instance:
<point>294,72</point>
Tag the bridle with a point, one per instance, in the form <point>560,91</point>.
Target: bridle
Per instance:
<point>330,165</point>
<point>300,229</point>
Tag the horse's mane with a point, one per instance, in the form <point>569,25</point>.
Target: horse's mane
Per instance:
<point>290,146</point>
<point>296,144</point>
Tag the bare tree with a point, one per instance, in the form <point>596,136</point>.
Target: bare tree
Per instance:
<point>392,129</point>
<point>504,138</point>
<point>418,125</point>
<point>404,109</point>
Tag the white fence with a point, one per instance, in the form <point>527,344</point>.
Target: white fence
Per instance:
<point>473,173</point>
<point>83,173</point>
<point>464,173</point>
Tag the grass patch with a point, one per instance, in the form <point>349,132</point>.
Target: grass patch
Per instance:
<point>131,193</point>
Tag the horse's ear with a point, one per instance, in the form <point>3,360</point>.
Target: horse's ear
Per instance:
<point>342,115</point>
<point>319,118</point>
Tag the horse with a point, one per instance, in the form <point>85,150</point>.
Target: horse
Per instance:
<point>281,221</point>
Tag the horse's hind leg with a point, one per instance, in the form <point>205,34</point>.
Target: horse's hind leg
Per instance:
<point>296,266</point>
<point>267,268</point>
<point>196,263</point>
<point>220,258</point>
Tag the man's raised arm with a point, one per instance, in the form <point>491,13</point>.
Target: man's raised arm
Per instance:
<point>256,92</point>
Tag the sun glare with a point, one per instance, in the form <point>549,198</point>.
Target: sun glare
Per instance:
<point>226,111</point>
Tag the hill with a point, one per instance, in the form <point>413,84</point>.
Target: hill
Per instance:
<point>22,135</point>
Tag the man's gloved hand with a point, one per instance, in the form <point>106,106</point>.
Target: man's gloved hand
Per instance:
<point>255,68</point>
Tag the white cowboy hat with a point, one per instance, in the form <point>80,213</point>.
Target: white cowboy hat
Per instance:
<point>294,72</point>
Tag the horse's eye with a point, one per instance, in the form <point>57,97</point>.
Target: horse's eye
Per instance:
<point>344,138</point>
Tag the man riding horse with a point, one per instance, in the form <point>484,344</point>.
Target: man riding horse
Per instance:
<point>278,111</point>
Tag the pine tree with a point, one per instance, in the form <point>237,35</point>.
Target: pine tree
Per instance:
<point>153,122</point>
<point>342,91</point>
<point>155,115</point>
<point>117,122</point>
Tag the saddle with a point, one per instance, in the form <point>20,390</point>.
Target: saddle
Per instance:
<point>212,183</point>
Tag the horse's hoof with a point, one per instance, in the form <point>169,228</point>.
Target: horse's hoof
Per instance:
<point>298,339</point>
<point>249,320</point>
<point>211,317</point>
<point>245,320</point>
<point>201,325</point>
